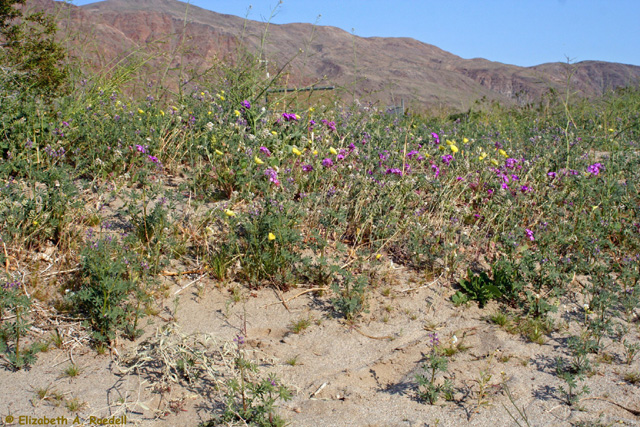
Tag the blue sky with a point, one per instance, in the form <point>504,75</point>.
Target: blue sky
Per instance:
<point>520,32</point>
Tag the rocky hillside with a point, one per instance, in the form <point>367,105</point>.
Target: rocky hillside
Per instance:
<point>374,69</point>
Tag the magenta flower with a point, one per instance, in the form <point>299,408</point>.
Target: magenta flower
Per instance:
<point>327,163</point>
<point>266,151</point>
<point>529,234</point>
<point>273,175</point>
<point>307,168</point>
<point>246,104</point>
<point>595,168</point>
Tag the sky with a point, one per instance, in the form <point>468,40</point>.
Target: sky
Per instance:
<point>519,32</point>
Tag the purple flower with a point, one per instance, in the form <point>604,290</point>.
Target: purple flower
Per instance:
<point>394,171</point>
<point>141,148</point>
<point>594,169</point>
<point>273,175</point>
<point>446,159</point>
<point>154,159</point>
<point>340,156</point>
<point>529,234</point>
<point>246,104</point>
<point>552,174</point>
<point>327,163</point>
<point>510,163</point>
<point>289,117</point>
<point>435,137</point>
<point>239,339</point>
<point>433,339</point>
<point>525,189</point>
<point>330,125</point>
<point>307,168</point>
<point>266,151</point>
<point>436,169</point>
<point>412,153</point>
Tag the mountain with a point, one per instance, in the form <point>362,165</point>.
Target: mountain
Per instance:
<point>382,69</point>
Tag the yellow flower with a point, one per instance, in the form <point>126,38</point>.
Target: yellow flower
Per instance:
<point>378,256</point>
<point>453,148</point>
<point>219,153</point>
<point>202,93</point>
<point>274,133</point>
<point>162,113</point>
<point>229,212</point>
<point>494,162</point>
<point>441,147</point>
<point>502,152</point>
<point>333,151</point>
<point>449,142</point>
<point>221,98</point>
<point>35,222</point>
<point>258,160</point>
<point>611,130</point>
<point>465,140</point>
<point>140,111</point>
<point>426,156</point>
<point>297,117</point>
<point>315,152</point>
<point>272,236</point>
<point>209,113</point>
<point>482,156</point>
<point>296,151</point>
<point>237,113</point>
<point>311,110</point>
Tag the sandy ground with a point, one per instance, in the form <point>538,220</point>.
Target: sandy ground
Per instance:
<point>340,374</point>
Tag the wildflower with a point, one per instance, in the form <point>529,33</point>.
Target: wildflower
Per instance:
<point>219,153</point>
<point>529,234</point>
<point>272,236</point>
<point>246,104</point>
<point>258,160</point>
<point>315,152</point>
<point>433,339</point>
<point>552,174</point>
<point>464,141</point>
<point>140,111</point>
<point>502,153</point>
<point>229,212</point>
<point>154,159</point>
<point>141,148</point>
<point>237,113</point>
<point>494,162</point>
<point>274,133</point>
<point>449,142</point>
<point>453,148</point>
<point>209,126</point>
<point>378,256</point>
<point>327,163</point>
<point>273,175</point>
<point>333,151</point>
<point>307,168</point>
<point>595,168</point>
<point>482,156</point>
<point>265,151</point>
<point>446,159</point>
<point>435,137</point>
<point>436,169</point>
<point>295,151</point>
<point>454,339</point>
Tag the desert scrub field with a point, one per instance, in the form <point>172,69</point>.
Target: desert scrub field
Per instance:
<point>105,197</point>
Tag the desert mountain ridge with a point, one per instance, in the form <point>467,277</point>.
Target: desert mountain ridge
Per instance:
<point>377,69</point>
